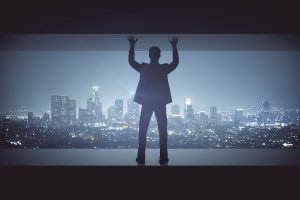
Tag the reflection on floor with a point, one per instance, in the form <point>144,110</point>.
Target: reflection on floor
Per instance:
<point>126,157</point>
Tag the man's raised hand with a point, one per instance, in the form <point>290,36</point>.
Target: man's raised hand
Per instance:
<point>174,41</point>
<point>132,40</point>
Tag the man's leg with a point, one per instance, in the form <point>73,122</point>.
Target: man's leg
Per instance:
<point>145,117</point>
<point>161,116</point>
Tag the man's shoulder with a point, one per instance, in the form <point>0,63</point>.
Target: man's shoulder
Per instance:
<point>144,63</point>
<point>149,64</point>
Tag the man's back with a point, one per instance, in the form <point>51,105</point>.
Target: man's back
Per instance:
<point>153,85</point>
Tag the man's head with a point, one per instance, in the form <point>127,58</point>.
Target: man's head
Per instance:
<point>154,53</point>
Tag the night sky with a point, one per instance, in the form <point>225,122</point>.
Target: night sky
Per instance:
<point>233,77</point>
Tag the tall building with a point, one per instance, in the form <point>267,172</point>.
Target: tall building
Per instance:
<point>265,115</point>
<point>96,97</point>
<point>97,104</point>
<point>63,110</point>
<point>93,112</point>
<point>175,110</point>
<point>46,120</point>
<point>56,110</point>
<point>266,106</point>
<point>72,112</point>
<point>90,105</point>
<point>30,119</point>
<point>85,117</point>
<point>111,113</point>
<point>238,115</point>
<point>188,101</point>
<point>119,109</point>
<point>94,106</point>
<point>189,111</point>
<point>133,110</point>
<point>213,115</point>
<point>203,118</point>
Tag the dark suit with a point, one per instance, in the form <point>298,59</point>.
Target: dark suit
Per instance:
<point>153,93</point>
<point>153,86</point>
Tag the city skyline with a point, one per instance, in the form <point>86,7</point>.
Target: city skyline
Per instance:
<point>121,107</point>
<point>93,114</point>
<point>266,126</point>
<point>235,79</point>
<point>181,109</point>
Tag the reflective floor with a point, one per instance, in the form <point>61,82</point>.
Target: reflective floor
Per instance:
<point>126,157</point>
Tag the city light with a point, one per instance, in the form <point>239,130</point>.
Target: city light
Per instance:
<point>263,127</point>
<point>188,101</point>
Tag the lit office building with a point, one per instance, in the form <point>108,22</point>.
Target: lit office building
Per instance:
<point>85,117</point>
<point>56,110</point>
<point>72,112</point>
<point>213,115</point>
<point>203,117</point>
<point>93,112</point>
<point>111,113</point>
<point>188,108</point>
<point>62,110</point>
<point>265,114</point>
<point>118,108</point>
<point>30,118</point>
<point>239,114</point>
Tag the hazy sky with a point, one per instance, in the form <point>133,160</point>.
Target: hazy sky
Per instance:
<point>241,78</point>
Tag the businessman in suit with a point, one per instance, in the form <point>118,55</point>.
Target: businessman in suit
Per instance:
<point>153,93</point>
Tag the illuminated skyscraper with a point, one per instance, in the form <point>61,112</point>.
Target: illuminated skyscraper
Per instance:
<point>30,119</point>
<point>189,111</point>
<point>266,106</point>
<point>72,112</point>
<point>238,116</point>
<point>85,117</point>
<point>56,110</point>
<point>90,105</point>
<point>265,114</point>
<point>63,110</point>
<point>203,118</point>
<point>93,113</point>
<point>118,109</point>
<point>46,120</point>
<point>96,98</point>
<point>97,104</point>
<point>187,102</point>
<point>111,113</point>
<point>213,115</point>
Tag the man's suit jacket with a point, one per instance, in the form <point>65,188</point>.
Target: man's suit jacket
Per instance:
<point>153,86</point>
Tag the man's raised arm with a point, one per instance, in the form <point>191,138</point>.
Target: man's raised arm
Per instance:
<point>175,61</point>
<point>131,58</point>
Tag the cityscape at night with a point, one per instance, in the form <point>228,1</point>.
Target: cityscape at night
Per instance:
<point>240,94</point>
<point>265,126</point>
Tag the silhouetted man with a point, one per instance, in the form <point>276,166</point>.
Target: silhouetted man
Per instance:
<point>153,93</point>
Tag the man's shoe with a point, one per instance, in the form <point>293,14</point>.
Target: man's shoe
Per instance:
<point>163,161</point>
